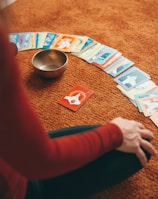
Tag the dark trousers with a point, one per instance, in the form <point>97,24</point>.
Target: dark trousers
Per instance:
<point>105,172</point>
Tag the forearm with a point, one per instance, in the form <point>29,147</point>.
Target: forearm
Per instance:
<point>30,151</point>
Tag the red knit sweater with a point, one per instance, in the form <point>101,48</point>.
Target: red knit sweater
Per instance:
<point>26,152</point>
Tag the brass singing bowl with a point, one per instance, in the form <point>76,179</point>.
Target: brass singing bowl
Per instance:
<point>50,63</point>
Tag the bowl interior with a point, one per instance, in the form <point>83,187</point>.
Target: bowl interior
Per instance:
<point>49,60</point>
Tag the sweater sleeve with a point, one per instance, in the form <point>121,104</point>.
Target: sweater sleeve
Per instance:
<point>24,144</point>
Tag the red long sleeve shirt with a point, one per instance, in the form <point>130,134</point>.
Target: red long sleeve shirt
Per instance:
<point>26,151</point>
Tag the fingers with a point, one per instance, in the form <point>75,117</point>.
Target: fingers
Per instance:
<point>147,146</point>
<point>141,156</point>
<point>146,134</point>
<point>140,125</point>
<point>136,139</point>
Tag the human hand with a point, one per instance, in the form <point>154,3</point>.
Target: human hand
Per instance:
<point>135,138</point>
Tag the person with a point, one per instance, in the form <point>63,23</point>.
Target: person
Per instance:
<point>73,162</point>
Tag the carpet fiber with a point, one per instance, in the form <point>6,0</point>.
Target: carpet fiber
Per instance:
<point>129,26</point>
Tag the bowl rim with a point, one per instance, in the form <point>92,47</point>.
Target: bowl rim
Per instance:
<point>53,69</point>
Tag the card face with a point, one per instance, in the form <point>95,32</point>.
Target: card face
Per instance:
<point>85,53</point>
<point>75,97</point>
<point>90,52</point>
<point>105,57</point>
<point>119,66</point>
<point>153,90</point>
<point>49,39</point>
<point>40,38</point>
<point>89,42</point>
<point>110,61</point>
<point>64,42</point>
<point>78,45</point>
<point>132,78</point>
<point>154,118</point>
<point>23,42</point>
<point>145,87</point>
<point>94,50</point>
<point>97,54</point>
<point>149,105</point>
<point>13,37</point>
<point>33,40</point>
<point>140,96</point>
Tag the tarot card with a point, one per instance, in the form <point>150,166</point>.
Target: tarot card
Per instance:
<point>90,42</point>
<point>33,40</point>
<point>78,45</point>
<point>64,42</point>
<point>139,96</point>
<point>119,66</point>
<point>13,37</point>
<point>94,50</point>
<point>110,61</point>
<point>49,39</point>
<point>149,105</point>
<point>154,118</point>
<point>75,97</point>
<point>40,38</point>
<point>153,90</point>
<point>105,57</point>
<point>132,78</point>
<point>99,54</point>
<point>85,55</point>
<point>140,89</point>
<point>23,42</point>
<point>133,102</point>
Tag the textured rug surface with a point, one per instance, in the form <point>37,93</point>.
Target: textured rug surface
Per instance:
<point>129,26</point>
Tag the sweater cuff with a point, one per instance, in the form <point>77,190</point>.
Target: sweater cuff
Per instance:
<point>114,133</point>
